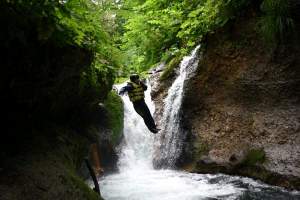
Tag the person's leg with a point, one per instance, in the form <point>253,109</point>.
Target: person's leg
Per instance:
<point>142,109</point>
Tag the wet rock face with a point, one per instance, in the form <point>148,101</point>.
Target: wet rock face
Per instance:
<point>241,111</point>
<point>159,91</point>
<point>245,96</point>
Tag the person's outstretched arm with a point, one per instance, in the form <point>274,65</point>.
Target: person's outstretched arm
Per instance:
<point>124,89</point>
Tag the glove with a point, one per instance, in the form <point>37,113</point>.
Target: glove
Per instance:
<point>121,92</point>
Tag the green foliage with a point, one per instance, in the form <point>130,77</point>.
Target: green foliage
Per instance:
<point>75,22</point>
<point>114,106</point>
<point>276,23</point>
<point>60,61</point>
<point>200,21</point>
<point>79,185</point>
<point>121,80</point>
<point>157,26</point>
<point>170,67</point>
<point>254,156</point>
<point>153,27</point>
<point>206,17</point>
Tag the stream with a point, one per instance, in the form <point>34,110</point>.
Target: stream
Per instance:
<point>138,180</point>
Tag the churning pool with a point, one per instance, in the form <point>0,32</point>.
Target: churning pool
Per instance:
<point>178,185</point>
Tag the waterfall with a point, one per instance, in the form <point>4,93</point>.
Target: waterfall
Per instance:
<point>170,145</point>
<point>136,149</point>
<point>137,180</point>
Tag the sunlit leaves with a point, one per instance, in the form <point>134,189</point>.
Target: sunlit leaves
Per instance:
<point>158,25</point>
<point>151,29</point>
<point>203,19</point>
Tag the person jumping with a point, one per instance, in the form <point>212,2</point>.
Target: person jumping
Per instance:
<point>135,89</point>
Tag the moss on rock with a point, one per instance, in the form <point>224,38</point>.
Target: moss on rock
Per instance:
<point>170,68</point>
<point>114,106</point>
<point>253,157</point>
<point>83,187</point>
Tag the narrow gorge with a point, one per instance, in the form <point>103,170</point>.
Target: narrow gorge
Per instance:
<point>223,83</point>
<point>141,153</point>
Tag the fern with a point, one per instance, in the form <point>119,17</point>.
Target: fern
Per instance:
<point>276,23</point>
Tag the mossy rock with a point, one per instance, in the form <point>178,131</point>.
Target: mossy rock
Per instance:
<point>83,188</point>
<point>253,157</point>
<point>170,68</point>
<point>114,107</point>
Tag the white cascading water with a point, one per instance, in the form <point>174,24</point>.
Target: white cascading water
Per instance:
<point>171,144</point>
<point>137,179</point>
<point>136,149</point>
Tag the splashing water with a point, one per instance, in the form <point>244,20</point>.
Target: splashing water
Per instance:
<point>137,146</point>
<point>176,185</point>
<point>171,144</point>
<point>137,180</point>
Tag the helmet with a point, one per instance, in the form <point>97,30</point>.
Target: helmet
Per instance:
<point>134,77</point>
